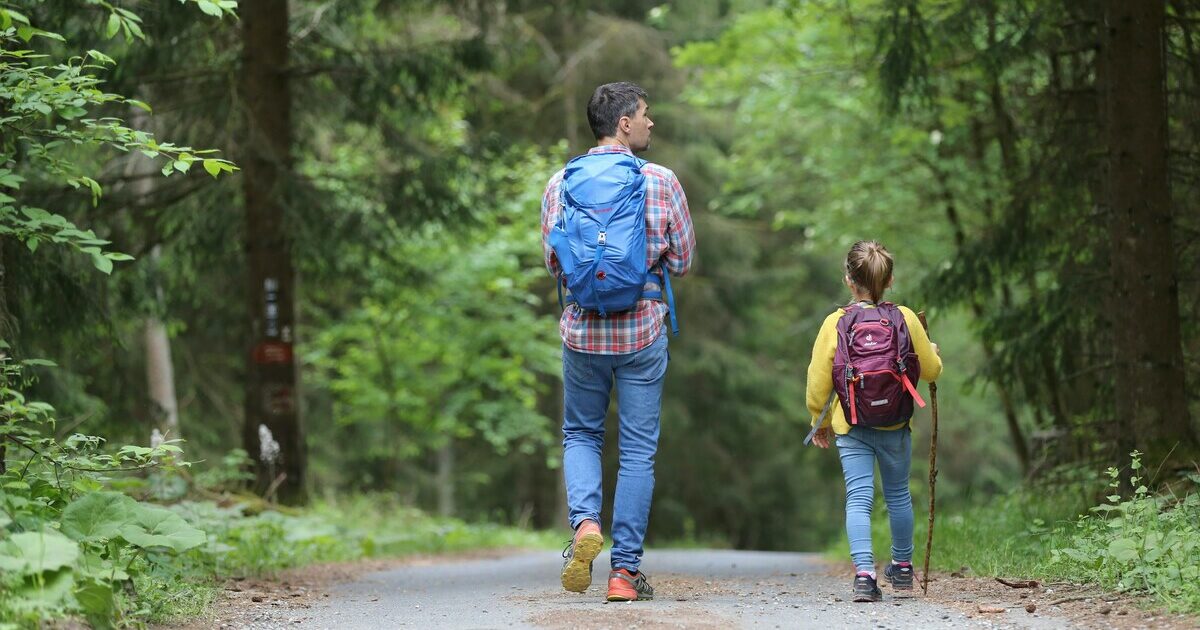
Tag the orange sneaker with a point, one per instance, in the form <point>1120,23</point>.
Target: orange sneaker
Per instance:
<point>624,586</point>
<point>579,554</point>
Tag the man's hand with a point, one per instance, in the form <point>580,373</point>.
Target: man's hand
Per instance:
<point>821,437</point>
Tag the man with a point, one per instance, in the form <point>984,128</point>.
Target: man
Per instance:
<point>628,347</point>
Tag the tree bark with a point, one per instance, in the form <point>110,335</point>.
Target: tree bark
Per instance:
<point>445,479</point>
<point>160,373</point>
<point>1151,405</point>
<point>271,377</point>
<point>571,109</point>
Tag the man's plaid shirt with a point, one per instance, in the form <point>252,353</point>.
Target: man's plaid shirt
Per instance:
<point>669,239</point>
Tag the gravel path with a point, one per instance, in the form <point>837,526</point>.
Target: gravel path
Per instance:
<point>694,589</point>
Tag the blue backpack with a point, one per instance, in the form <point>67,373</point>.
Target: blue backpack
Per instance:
<point>600,236</point>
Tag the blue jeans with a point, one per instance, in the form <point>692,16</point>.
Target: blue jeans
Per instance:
<point>860,450</point>
<point>587,385</point>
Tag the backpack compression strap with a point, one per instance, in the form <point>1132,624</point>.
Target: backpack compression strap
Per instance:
<point>664,295</point>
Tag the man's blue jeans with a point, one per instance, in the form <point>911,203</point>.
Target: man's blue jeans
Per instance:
<point>587,384</point>
<point>860,450</point>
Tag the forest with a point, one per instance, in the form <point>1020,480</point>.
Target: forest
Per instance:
<point>270,271</point>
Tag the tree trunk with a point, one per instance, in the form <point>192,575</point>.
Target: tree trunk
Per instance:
<point>1151,405</point>
<point>271,377</point>
<point>160,373</point>
<point>571,109</point>
<point>445,479</point>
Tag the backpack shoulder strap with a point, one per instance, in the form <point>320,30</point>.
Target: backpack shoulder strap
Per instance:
<point>845,323</point>
<point>903,348</point>
<point>903,341</point>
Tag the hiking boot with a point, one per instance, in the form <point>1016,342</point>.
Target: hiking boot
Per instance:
<point>581,550</point>
<point>624,586</point>
<point>899,575</point>
<point>865,588</point>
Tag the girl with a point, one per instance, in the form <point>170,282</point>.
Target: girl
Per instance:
<point>866,440</point>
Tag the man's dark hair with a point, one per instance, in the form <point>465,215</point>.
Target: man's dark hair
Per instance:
<point>609,103</point>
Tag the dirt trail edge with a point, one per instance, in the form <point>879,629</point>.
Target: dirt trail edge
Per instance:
<point>694,589</point>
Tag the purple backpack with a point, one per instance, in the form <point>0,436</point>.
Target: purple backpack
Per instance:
<point>875,367</point>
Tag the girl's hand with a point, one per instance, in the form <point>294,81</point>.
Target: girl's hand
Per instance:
<point>936,350</point>
<point>821,437</point>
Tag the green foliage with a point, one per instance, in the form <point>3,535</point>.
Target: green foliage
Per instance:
<point>52,107</point>
<point>67,545</point>
<point>1144,543</point>
<point>70,547</point>
<point>449,341</point>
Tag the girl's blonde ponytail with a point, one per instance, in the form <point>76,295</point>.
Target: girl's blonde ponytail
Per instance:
<point>869,267</point>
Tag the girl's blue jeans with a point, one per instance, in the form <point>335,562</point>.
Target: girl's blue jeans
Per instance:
<point>587,384</point>
<point>860,450</point>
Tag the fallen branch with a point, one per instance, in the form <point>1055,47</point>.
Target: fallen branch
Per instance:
<point>1019,584</point>
<point>1070,599</point>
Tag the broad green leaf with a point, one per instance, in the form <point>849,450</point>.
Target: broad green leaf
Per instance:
<point>1123,550</point>
<point>132,28</point>
<point>35,213</point>
<point>96,599</point>
<point>103,264</point>
<point>101,57</point>
<point>159,527</point>
<point>98,516</point>
<point>48,35</point>
<point>17,16</point>
<point>9,179</point>
<point>213,167</point>
<point>35,552</point>
<point>45,592</point>
<point>130,15</point>
<point>114,25</point>
<point>209,7</point>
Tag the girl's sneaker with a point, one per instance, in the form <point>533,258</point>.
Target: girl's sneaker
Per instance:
<point>899,575</point>
<point>865,588</point>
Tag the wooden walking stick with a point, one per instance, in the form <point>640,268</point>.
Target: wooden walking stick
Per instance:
<point>932,467</point>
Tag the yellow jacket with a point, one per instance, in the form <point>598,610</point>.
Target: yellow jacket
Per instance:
<point>820,370</point>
